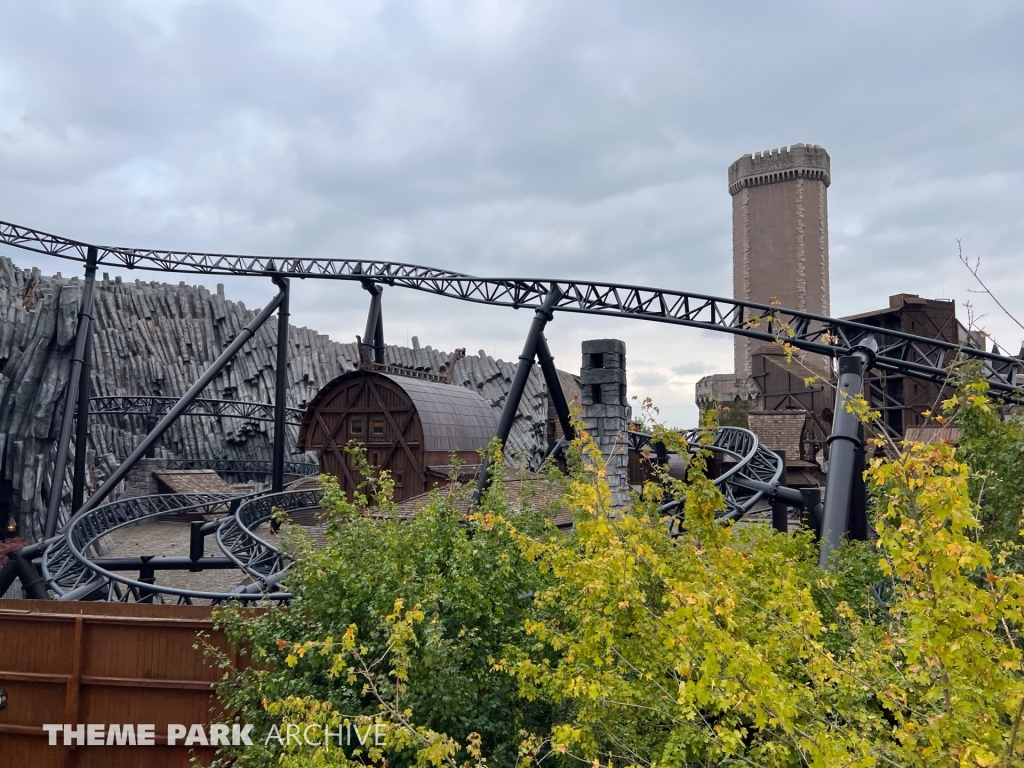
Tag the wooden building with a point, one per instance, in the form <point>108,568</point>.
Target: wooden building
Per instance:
<point>411,425</point>
<point>903,399</point>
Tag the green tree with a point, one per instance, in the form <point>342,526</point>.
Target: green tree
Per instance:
<point>723,646</point>
<point>394,620</point>
<point>727,646</point>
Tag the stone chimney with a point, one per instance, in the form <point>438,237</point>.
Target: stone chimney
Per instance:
<point>606,411</point>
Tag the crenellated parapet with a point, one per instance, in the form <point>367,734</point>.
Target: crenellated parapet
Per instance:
<point>799,161</point>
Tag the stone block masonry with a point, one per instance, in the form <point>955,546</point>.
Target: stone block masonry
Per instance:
<point>606,410</point>
<point>780,232</point>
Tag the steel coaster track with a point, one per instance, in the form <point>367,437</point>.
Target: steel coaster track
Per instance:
<point>753,461</point>
<point>245,466</point>
<point>253,554</point>
<point>918,356</point>
<point>153,406</point>
<point>69,571</point>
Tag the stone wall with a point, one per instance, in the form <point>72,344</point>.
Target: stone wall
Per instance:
<point>606,410</point>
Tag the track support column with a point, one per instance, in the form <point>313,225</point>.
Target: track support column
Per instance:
<point>281,386</point>
<point>373,336</point>
<point>179,407</point>
<point>82,428</point>
<point>541,318</point>
<point>843,445</point>
<point>71,395</point>
<point>554,384</point>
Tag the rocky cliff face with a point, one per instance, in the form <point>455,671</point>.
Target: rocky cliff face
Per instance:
<point>153,338</point>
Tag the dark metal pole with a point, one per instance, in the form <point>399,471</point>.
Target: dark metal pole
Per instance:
<point>152,419</point>
<point>515,392</point>
<point>281,386</point>
<point>70,395</point>
<point>147,575</point>
<point>31,581</point>
<point>843,443</point>
<point>858,521</point>
<point>82,431</point>
<point>8,575</point>
<point>378,335</point>
<point>554,384</point>
<point>179,407</point>
<point>813,510</point>
<point>372,321</point>
<point>196,543</point>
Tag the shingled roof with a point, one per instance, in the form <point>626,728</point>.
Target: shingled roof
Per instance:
<point>191,481</point>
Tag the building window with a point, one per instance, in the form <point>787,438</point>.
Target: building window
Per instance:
<point>597,359</point>
<point>595,393</point>
<point>356,427</point>
<point>398,479</point>
<point>374,459</point>
<point>378,427</point>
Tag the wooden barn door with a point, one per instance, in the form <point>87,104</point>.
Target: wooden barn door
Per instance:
<point>372,410</point>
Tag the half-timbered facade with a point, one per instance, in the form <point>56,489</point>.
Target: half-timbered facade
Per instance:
<point>409,426</point>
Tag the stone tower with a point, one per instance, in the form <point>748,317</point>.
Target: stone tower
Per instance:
<point>780,232</point>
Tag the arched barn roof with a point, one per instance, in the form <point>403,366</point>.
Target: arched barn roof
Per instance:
<point>454,418</point>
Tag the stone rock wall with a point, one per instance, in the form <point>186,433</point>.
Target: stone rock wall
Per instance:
<point>154,338</point>
<point>606,410</point>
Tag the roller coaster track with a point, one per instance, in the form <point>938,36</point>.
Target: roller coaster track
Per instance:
<point>71,572</point>
<point>754,470</point>
<point>924,358</point>
<point>245,466</point>
<point>237,539</point>
<point>154,406</point>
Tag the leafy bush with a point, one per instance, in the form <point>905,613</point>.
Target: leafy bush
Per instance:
<point>466,594</point>
<point>723,646</point>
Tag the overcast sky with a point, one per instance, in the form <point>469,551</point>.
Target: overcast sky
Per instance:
<point>581,139</point>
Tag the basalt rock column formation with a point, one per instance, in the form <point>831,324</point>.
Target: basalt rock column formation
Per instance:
<point>156,339</point>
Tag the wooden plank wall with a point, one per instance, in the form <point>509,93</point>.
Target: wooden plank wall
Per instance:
<point>104,663</point>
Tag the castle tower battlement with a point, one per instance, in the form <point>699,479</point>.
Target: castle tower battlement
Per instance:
<point>800,161</point>
<point>780,232</point>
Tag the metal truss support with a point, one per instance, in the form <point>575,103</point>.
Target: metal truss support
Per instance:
<point>373,336</point>
<point>179,407</point>
<point>151,407</point>
<point>515,392</point>
<point>844,443</point>
<point>71,395</point>
<point>904,353</point>
<point>554,385</point>
<point>281,386</point>
<point>82,428</point>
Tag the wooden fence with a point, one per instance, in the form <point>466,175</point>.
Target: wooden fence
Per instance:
<point>102,663</point>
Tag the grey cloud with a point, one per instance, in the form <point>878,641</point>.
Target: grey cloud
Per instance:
<point>691,368</point>
<point>546,138</point>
